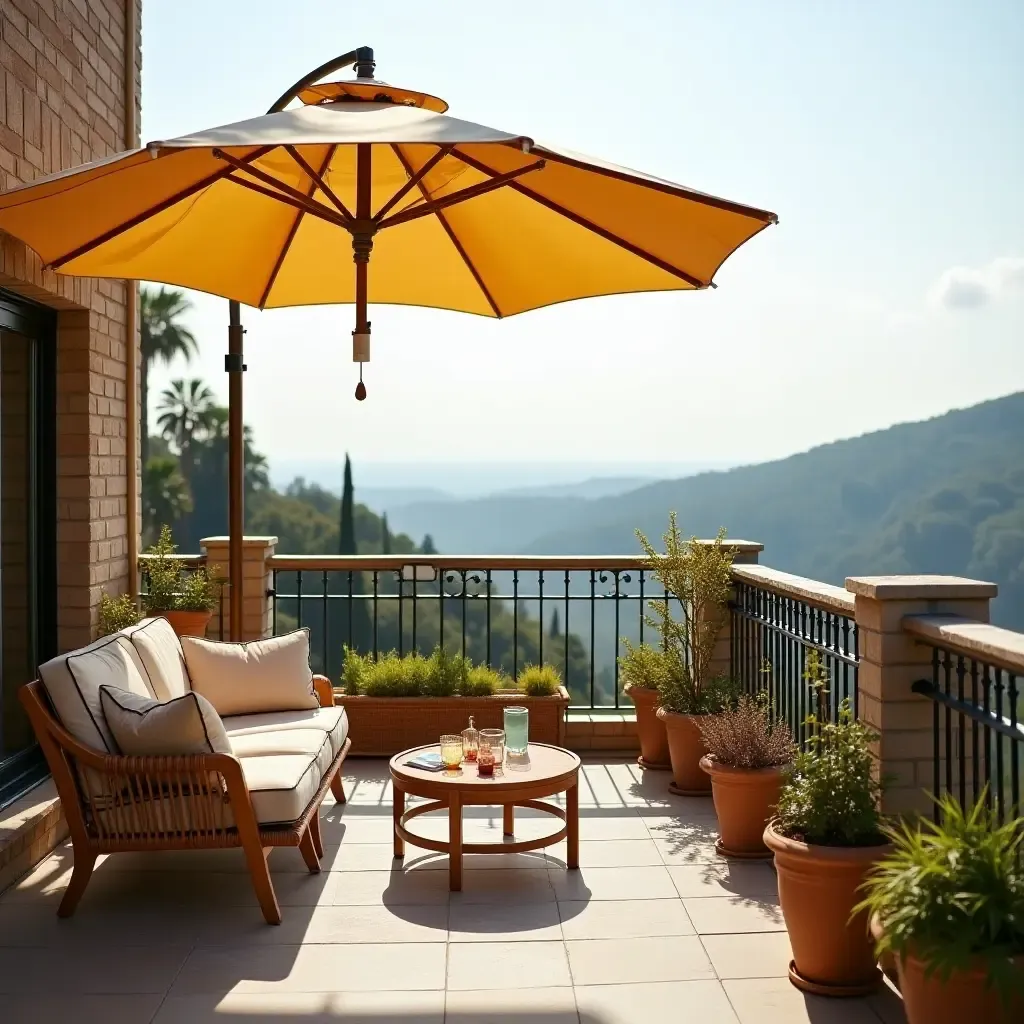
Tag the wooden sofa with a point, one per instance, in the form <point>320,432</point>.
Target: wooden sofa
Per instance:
<point>266,793</point>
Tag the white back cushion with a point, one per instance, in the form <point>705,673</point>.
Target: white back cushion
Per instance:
<point>160,652</point>
<point>245,679</point>
<point>73,684</point>
<point>143,726</point>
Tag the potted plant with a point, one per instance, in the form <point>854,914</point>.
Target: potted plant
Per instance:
<point>697,577</point>
<point>399,701</point>
<point>826,838</point>
<point>642,670</point>
<point>747,745</point>
<point>947,904</point>
<point>117,613</point>
<point>186,598</point>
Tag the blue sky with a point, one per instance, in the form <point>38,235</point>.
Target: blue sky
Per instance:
<point>889,138</point>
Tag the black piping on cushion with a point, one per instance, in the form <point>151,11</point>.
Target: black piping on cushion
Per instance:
<point>111,690</point>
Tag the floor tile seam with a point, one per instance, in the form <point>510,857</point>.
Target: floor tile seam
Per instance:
<point>166,994</point>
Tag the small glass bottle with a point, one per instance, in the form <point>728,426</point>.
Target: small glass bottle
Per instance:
<point>470,741</point>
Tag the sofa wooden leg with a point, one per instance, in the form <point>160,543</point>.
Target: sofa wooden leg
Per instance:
<point>308,851</point>
<point>259,869</point>
<point>80,875</point>
<point>338,787</point>
<point>318,839</point>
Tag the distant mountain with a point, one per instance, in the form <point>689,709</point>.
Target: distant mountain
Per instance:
<point>595,487</point>
<point>944,495</point>
<point>384,499</point>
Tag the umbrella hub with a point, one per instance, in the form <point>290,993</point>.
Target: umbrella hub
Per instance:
<point>363,230</point>
<point>369,90</point>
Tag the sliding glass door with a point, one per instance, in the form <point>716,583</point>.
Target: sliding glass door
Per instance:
<point>28,524</point>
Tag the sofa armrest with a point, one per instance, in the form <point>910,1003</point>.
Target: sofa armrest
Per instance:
<point>324,691</point>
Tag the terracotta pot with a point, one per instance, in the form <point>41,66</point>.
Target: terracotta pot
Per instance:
<point>833,954</point>
<point>964,996</point>
<point>188,623</point>
<point>745,801</point>
<point>685,748</point>
<point>653,737</point>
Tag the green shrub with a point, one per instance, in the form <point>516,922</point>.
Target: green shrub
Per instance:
<point>446,674</point>
<point>483,681</point>
<point>117,613</point>
<point>354,670</point>
<point>644,667</point>
<point>539,680</point>
<point>830,797</point>
<point>952,892</point>
<point>170,587</point>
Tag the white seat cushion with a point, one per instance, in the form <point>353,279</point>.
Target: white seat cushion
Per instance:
<point>282,785</point>
<point>333,721</point>
<point>160,652</point>
<point>249,678</point>
<point>73,684</point>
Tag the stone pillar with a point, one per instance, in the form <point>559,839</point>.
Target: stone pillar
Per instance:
<point>257,579</point>
<point>892,660</point>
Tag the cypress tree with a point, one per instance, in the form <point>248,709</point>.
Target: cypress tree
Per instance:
<point>556,628</point>
<point>385,535</point>
<point>347,531</point>
<point>427,547</point>
<point>351,622</point>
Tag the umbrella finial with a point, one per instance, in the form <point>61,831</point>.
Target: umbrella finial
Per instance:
<point>364,65</point>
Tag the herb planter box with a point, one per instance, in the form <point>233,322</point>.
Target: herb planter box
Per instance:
<point>384,726</point>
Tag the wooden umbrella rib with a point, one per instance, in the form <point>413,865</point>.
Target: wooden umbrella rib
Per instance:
<point>286,190</point>
<point>152,211</point>
<point>293,230</point>
<point>703,198</point>
<point>463,195</point>
<point>586,223</point>
<point>576,218</point>
<point>313,209</point>
<point>413,181</point>
<point>318,180</point>
<point>453,238</point>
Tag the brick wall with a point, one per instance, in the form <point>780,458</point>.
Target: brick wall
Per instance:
<point>62,75</point>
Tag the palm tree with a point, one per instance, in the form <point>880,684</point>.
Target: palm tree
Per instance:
<point>186,409</point>
<point>163,338</point>
<point>165,495</point>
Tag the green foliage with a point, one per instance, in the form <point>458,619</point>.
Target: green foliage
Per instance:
<point>643,667</point>
<point>697,576</point>
<point>442,674</point>
<point>953,892</point>
<point>748,735</point>
<point>539,680</point>
<point>831,797</point>
<point>117,613</point>
<point>484,681</point>
<point>171,587</point>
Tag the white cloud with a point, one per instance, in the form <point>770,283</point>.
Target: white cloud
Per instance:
<point>972,287</point>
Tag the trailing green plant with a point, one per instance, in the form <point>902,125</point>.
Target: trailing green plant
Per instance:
<point>539,680</point>
<point>951,893</point>
<point>831,795</point>
<point>170,586</point>
<point>698,577</point>
<point>748,735</point>
<point>117,613</point>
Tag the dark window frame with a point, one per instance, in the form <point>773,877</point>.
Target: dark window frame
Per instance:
<point>22,770</point>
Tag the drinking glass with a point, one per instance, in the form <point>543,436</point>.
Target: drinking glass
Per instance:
<point>517,730</point>
<point>491,752</point>
<point>451,751</point>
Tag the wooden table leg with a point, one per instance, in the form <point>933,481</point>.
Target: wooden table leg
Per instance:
<point>508,819</point>
<point>572,824</point>
<point>398,809</point>
<point>455,843</point>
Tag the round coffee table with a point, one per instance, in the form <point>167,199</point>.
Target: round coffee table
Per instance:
<point>547,770</point>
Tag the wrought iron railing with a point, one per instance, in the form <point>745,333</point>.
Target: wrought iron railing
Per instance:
<point>977,723</point>
<point>778,620</point>
<point>505,612</point>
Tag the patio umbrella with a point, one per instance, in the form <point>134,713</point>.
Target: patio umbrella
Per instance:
<point>432,210</point>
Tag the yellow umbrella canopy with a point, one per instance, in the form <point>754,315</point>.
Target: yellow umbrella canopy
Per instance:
<point>458,216</point>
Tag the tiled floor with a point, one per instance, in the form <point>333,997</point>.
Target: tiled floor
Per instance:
<point>653,927</point>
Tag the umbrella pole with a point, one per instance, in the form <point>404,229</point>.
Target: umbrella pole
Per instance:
<point>236,466</point>
<point>362,244</point>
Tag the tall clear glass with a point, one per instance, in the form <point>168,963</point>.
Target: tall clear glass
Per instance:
<point>517,730</point>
